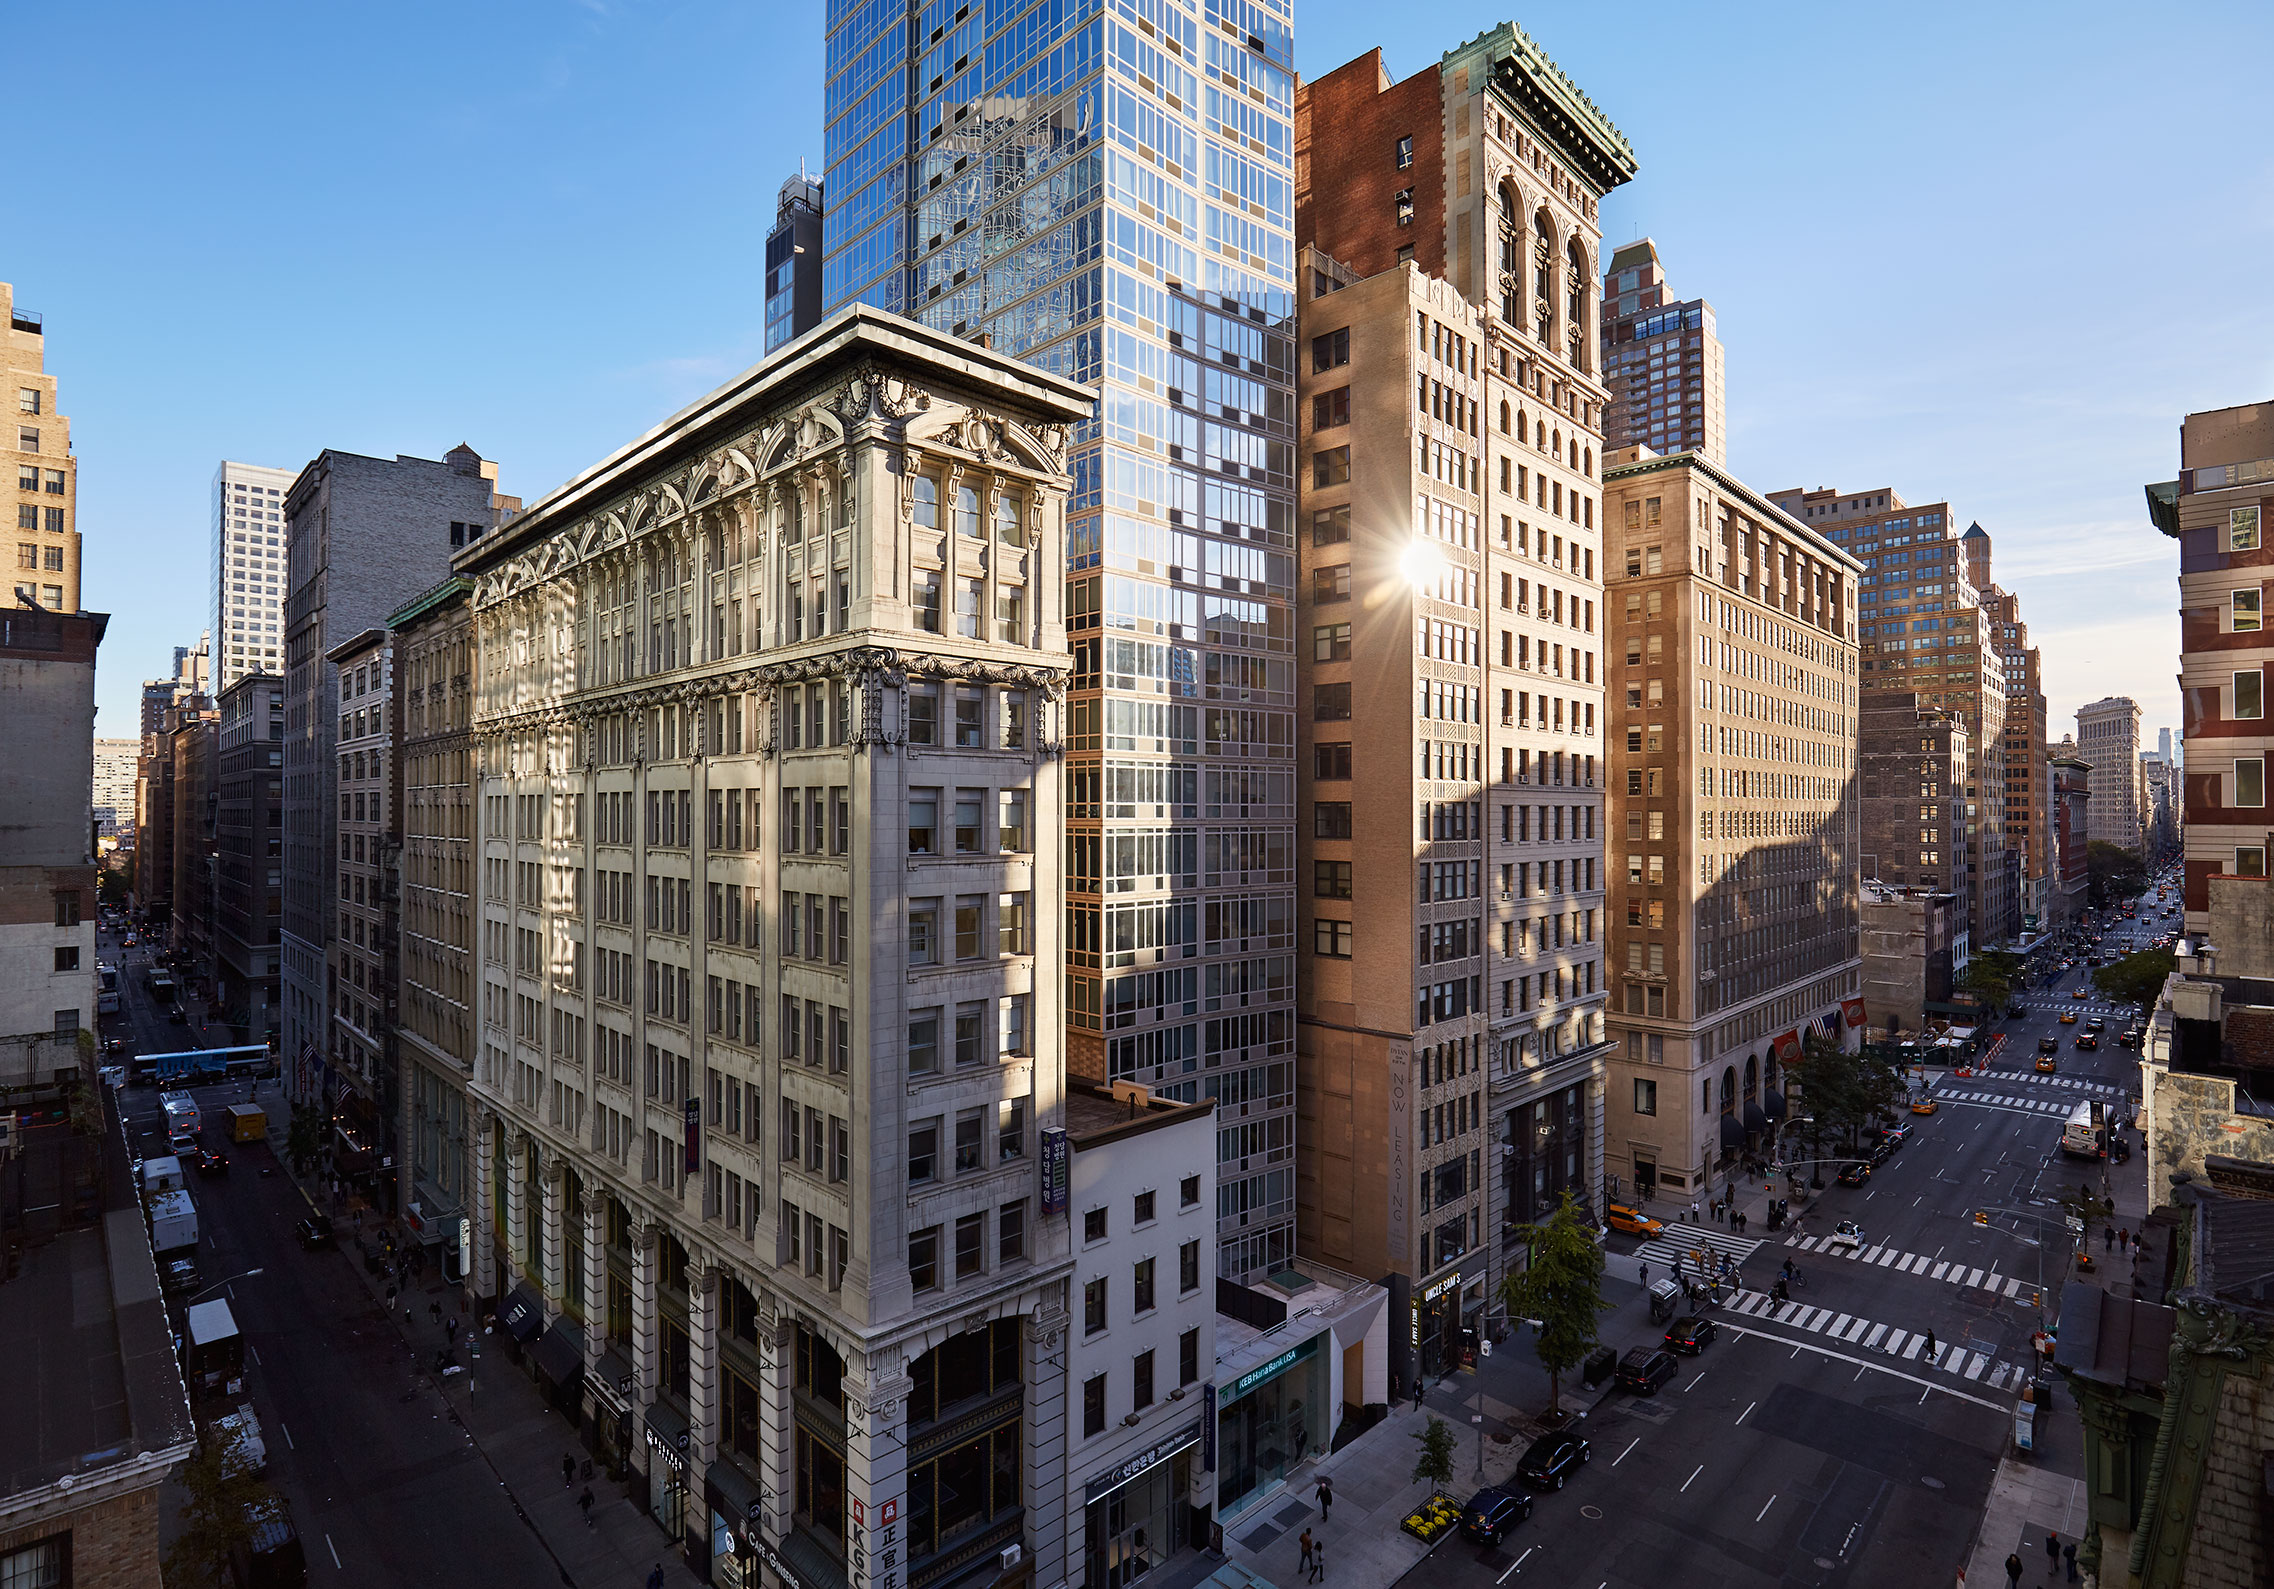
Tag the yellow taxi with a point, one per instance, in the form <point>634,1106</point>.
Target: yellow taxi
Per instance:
<point>2079,993</point>
<point>2046,1064</point>
<point>1924,1105</point>
<point>2068,1017</point>
<point>1633,1221</point>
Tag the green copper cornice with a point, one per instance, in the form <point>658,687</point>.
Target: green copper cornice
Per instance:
<point>1539,92</point>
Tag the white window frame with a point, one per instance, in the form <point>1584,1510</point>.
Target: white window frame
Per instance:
<point>2258,766</point>
<point>2236,600</point>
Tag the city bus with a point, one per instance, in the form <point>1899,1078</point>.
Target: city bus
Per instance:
<point>2080,1137</point>
<point>198,1066</point>
<point>106,990</point>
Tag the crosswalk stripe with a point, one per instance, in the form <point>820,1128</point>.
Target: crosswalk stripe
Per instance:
<point>2013,1285</point>
<point>1855,1332</point>
<point>1912,1351</point>
<point>1973,1277</point>
<point>1974,1369</point>
<point>1872,1339</point>
<point>1888,1255</point>
<point>1894,1341</point>
<point>1838,1323</point>
<point>1938,1269</point>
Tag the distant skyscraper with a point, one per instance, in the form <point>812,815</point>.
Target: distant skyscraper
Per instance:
<point>248,571</point>
<point>47,476</point>
<point>114,784</point>
<point>2108,736</point>
<point>793,263</point>
<point>2163,745</point>
<point>1661,362</point>
<point>1116,205</point>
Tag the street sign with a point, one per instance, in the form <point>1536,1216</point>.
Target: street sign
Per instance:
<point>2075,1224</point>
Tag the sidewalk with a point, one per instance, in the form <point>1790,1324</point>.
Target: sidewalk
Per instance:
<point>2026,1503</point>
<point>520,1438</point>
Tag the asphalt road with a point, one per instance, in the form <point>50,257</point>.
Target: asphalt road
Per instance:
<point>1794,1453</point>
<point>385,1489</point>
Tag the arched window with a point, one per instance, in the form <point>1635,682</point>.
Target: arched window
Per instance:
<point>1523,427</point>
<point>1543,278</point>
<point>1511,258</point>
<point>1587,461</point>
<point>1555,448</point>
<point>1504,419</point>
<point>1728,1090</point>
<point>1752,1079</point>
<point>1575,305</point>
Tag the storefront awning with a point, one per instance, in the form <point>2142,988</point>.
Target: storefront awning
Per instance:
<point>733,1492</point>
<point>559,1353</point>
<point>521,1316</point>
<point>1732,1131</point>
<point>667,1433</point>
<point>611,1380</point>
<point>1772,1103</point>
<point>1755,1120</point>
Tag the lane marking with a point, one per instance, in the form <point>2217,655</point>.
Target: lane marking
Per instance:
<point>1697,1381</point>
<point>288,1445</point>
<point>1692,1479</point>
<point>1629,1451</point>
<point>1749,1406</point>
<point>1764,1511</point>
<point>1518,1562</point>
<point>335,1550</point>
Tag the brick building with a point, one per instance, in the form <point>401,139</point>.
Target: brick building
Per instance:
<point>1662,362</point>
<point>46,485</point>
<point>2069,817</point>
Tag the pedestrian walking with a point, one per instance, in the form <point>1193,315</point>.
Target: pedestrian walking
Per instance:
<point>568,1472</point>
<point>2052,1550</point>
<point>1932,1349</point>
<point>1644,1270</point>
<point>1693,1211</point>
<point>584,1505</point>
<point>452,1329</point>
<point>2013,1571</point>
<point>2108,1238</point>
<point>1304,1565</point>
<point>1318,1562</point>
<point>2069,1560</point>
<point>2123,1241</point>
<point>434,1312</point>
<point>390,1299</point>
<point>655,1578</point>
<point>1741,1222</point>
<point>1325,1494</point>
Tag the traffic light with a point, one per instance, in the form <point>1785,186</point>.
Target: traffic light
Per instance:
<point>1981,1216</point>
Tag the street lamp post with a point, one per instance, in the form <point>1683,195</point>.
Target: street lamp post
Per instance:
<point>218,1284</point>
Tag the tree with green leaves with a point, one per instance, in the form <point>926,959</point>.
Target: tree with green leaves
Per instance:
<point>2135,979</point>
<point>304,1138</point>
<point>1991,977</point>
<point>2114,874</point>
<point>1844,1092</point>
<point>1434,1466</point>
<point>1560,1288</point>
<point>222,1498</point>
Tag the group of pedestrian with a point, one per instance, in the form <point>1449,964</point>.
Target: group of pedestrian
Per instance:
<point>2060,1559</point>
<point>2113,1239</point>
<point>1311,1568</point>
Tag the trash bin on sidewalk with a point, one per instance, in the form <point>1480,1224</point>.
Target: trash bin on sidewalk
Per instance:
<point>1665,1301</point>
<point>1603,1360</point>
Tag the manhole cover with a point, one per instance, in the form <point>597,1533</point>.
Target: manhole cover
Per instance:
<point>1826,1562</point>
<point>1595,1512</point>
<point>1931,1483</point>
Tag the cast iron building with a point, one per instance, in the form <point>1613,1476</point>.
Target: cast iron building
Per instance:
<point>366,535</point>
<point>1113,201</point>
<point>769,1018</point>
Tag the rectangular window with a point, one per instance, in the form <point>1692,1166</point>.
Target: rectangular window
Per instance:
<point>1330,351</point>
<point>1141,1394</point>
<point>1330,642</point>
<point>1331,761</point>
<point>923,1151</point>
<point>1188,1268</point>
<point>1093,1307</point>
<point>923,821</point>
<point>2242,529</point>
<point>923,1042</point>
<point>1188,1357</point>
<point>1331,584</point>
<point>1330,819</point>
<point>1010,1232</point>
<point>1330,526</point>
<point>1330,703</point>
<point>2245,607</point>
<point>2250,781</point>
<point>924,1259</point>
<point>1330,466</point>
<point>1010,822</point>
<point>1331,938</point>
<point>923,713</point>
<point>968,909</point>
<point>1093,1405</point>
<point>1330,879</point>
<point>2250,694</point>
<point>1645,1096</point>
<point>1329,409</point>
<point>2250,860</point>
<point>970,1245</point>
<point>1404,155</point>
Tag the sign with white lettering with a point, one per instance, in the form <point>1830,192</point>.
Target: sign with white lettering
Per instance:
<point>1114,1478</point>
<point>1057,1169</point>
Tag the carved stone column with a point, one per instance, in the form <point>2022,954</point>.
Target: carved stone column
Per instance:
<point>481,1263</point>
<point>876,1470</point>
<point>1058,1546</point>
<point>777,1361</point>
<point>703,1370</point>
<point>595,1260</point>
<point>646,1360</point>
<point>552,1267</point>
<point>520,1151</point>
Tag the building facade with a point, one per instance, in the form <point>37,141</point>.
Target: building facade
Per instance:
<point>1661,361</point>
<point>433,798</point>
<point>2108,736</point>
<point>768,1099</point>
<point>47,849</point>
<point>47,474</point>
<point>1913,760</point>
<point>193,741</point>
<point>2069,783</point>
<point>793,263</point>
<point>1907,940</point>
<point>1923,626</point>
<point>1734,816</point>
<point>1452,418</point>
<point>2028,802</point>
<point>1115,205</point>
<point>364,536</point>
<point>363,956</point>
<point>248,838</point>
<point>114,786</point>
<point>249,571</point>
<point>2219,510</point>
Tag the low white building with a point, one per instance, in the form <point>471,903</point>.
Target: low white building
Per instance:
<point>1143,1206</point>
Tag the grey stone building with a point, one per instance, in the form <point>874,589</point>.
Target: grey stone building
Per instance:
<point>248,902</point>
<point>364,536</point>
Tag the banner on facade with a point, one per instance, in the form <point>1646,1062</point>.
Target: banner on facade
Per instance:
<point>1853,1010</point>
<point>1057,1168</point>
<point>694,1135</point>
<point>1787,1047</point>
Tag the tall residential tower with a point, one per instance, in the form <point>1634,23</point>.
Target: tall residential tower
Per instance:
<point>1109,194</point>
<point>248,571</point>
<point>1661,361</point>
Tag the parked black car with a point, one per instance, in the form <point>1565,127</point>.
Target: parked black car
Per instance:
<point>1854,1173</point>
<point>1491,1513</point>
<point>1644,1369</point>
<point>210,1162</point>
<point>315,1233</point>
<point>1690,1335</point>
<point>1553,1459</point>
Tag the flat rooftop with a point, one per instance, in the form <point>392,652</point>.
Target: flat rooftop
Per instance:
<point>1316,1297</point>
<point>83,1328</point>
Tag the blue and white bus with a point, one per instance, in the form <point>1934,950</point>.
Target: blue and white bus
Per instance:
<point>198,1066</point>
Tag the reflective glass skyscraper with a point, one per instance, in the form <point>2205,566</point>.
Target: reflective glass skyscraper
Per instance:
<point>1105,187</point>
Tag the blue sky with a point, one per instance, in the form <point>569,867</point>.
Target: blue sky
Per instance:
<point>1984,252</point>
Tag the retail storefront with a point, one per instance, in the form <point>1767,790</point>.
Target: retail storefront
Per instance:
<point>733,1500</point>
<point>667,1469</point>
<point>1136,1513</point>
<point>608,1409</point>
<point>1269,1419</point>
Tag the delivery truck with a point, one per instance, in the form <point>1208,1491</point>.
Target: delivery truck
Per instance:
<point>161,1174</point>
<point>173,1223</point>
<point>247,1123</point>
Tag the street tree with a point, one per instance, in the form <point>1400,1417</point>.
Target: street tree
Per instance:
<point>2135,979</point>
<point>1844,1092</point>
<point>1561,1289</point>
<point>1991,977</point>
<point>2113,873</point>
<point>304,1138</point>
<point>221,1498</point>
<point>1434,1466</point>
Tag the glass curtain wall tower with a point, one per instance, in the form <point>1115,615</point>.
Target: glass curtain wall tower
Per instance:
<point>1105,188</point>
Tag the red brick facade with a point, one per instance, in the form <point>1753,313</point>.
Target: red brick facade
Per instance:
<point>1347,174</point>
<point>110,1545</point>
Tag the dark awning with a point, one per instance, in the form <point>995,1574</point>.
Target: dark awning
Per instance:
<point>611,1379</point>
<point>1772,1103</point>
<point>521,1316</point>
<point>733,1491</point>
<point>667,1432</point>
<point>1754,1119</point>
<point>1732,1132</point>
<point>559,1353</point>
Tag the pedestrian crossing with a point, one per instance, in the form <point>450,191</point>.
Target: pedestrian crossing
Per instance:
<point>1912,1263</point>
<point>1712,1242</point>
<point>1907,1346</point>
<point>2081,1006</point>
<point>2032,1078</point>
<point>2007,1100</point>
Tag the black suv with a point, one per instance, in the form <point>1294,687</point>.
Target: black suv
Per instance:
<point>1690,1335</point>
<point>1854,1173</point>
<point>315,1233</point>
<point>2048,1045</point>
<point>1644,1369</point>
<point>1553,1459</point>
<point>1490,1514</point>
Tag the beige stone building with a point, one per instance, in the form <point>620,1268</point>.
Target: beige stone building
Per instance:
<point>1451,411</point>
<point>47,475</point>
<point>2108,736</point>
<point>1734,821</point>
<point>768,708</point>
